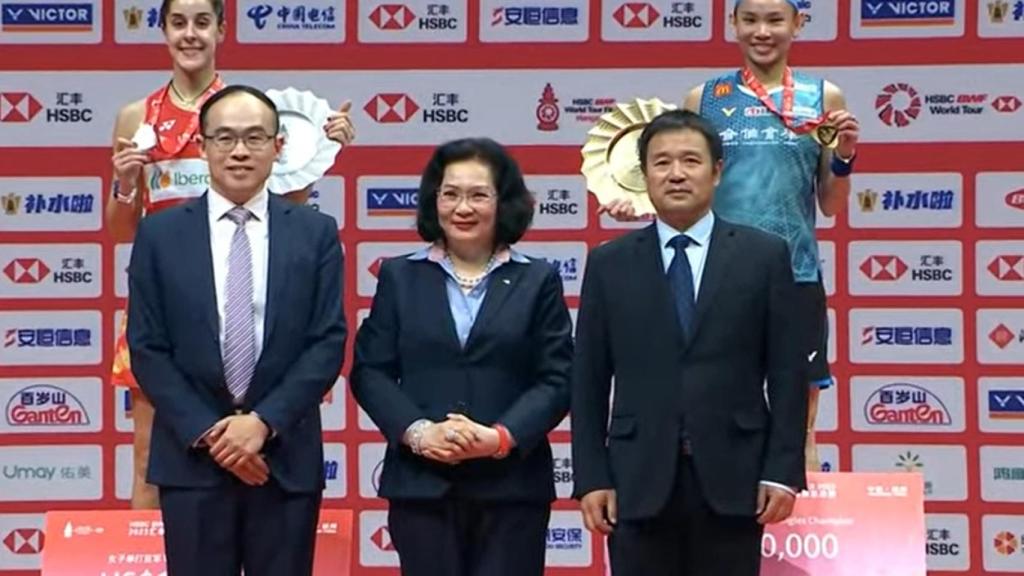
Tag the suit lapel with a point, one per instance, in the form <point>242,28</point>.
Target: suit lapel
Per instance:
<point>279,211</point>
<point>437,305</point>
<point>716,265</point>
<point>654,292</point>
<point>502,282</point>
<point>196,245</point>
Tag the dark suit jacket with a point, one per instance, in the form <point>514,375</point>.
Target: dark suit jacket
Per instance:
<point>711,384</point>
<point>514,370</point>
<point>173,335</point>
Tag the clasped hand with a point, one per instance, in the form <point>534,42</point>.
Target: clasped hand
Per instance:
<point>458,438</point>
<point>235,443</point>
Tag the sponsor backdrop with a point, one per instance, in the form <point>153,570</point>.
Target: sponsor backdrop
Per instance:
<point>925,268</point>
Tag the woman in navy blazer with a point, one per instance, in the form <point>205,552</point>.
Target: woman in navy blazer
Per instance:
<point>464,365</point>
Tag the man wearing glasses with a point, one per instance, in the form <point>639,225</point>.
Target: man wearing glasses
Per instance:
<point>236,332</point>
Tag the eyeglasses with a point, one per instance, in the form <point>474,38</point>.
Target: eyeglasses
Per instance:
<point>226,141</point>
<point>476,198</point>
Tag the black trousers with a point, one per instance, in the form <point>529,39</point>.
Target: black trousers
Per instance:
<point>687,538</point>
<point>218,531</point>
<point>457,537</point>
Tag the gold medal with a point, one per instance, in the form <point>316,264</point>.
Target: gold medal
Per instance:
<point>611,162</point>
<point>826,135</point>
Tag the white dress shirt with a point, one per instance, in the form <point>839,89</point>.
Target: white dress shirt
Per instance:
<point>697,254</point>
<point>696,251</point>
<point>222,229</point>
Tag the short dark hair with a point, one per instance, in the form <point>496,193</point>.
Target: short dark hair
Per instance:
<point>679,120</point>
<point>237,89</point>
<point>515,202</point>
<point>217,5</point>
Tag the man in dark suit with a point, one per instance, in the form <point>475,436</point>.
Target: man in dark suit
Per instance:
<point>691,317</point>
<point>236,332</point>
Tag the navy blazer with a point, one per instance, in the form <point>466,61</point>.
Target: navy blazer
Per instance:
<point>712,384</point>
<point>514,370</point>
<point>173,336</point>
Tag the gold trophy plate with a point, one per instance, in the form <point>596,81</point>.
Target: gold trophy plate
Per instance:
<point>611,163</point>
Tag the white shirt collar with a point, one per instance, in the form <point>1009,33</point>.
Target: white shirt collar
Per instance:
<point>219,206</point>
<point>699,232</point>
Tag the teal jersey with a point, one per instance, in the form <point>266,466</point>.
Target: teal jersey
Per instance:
<point>771,173</point>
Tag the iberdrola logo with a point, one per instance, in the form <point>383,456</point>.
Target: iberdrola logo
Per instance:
<point>160,179</point>
<point>166,177</point>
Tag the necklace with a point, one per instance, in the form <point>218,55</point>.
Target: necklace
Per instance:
<point>192,100</point>
<point>174,139</point>
<point>470,282</point>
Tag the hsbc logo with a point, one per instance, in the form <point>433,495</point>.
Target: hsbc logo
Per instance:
<point>398,108</point>
<point>1006,104</point>
<point>391,108</point>
<point>397,17</point>
<point>50,271</point>
<point>655,21</point>
<point>999,267</point>
<point>376,550</point>
<point>26,270</point>
<point>392,16</point>
<point>18,107</point>
<point>370,256</point>
<point>24,541</point>
<point>22,107</point>
<point>560,202</point>
<point>381,538</point>
<point>905,268</point>
<point>636,15</point>
<point>884,268</point>
<point>374,268</point>
<point>413,22</point>
<point>1007,268</point>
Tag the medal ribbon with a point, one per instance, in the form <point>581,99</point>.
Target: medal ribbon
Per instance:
<point>786,114</point>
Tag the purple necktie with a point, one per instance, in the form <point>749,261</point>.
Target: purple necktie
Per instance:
<point>239,323</point>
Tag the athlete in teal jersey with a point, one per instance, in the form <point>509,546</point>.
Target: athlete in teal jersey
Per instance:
<point>774,183</point>
<point>770,172</point>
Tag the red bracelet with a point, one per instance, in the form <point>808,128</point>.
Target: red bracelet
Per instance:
<point>504,441</point>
